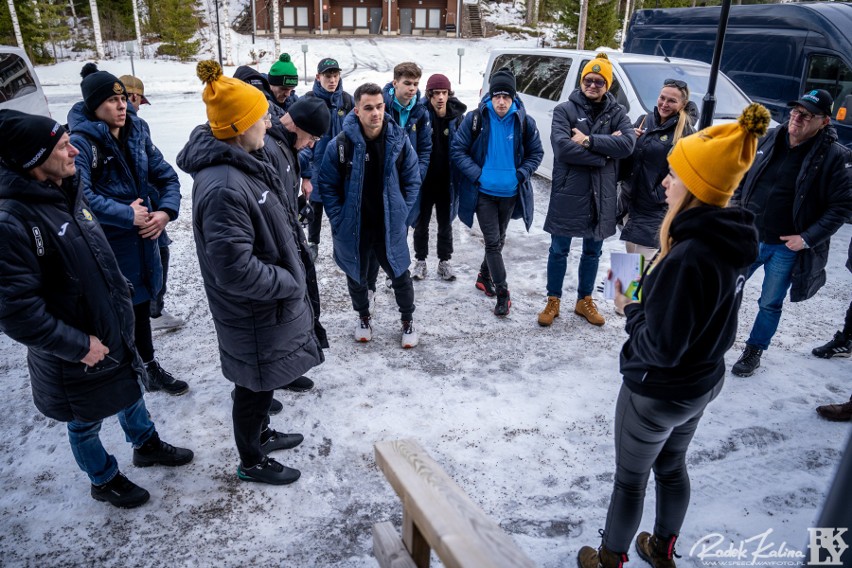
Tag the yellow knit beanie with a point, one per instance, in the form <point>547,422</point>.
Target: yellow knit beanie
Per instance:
<point>232,105</point>
<point>600,65</point>
<point>712,161</point>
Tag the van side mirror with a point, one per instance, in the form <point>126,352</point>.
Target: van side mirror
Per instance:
<point>844,113</point>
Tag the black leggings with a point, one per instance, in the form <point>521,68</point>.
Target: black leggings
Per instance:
<point>651,434</point>
<point>142,331</point>
<point>251,417</point>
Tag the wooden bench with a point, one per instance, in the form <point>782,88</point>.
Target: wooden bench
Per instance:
<point>436,515</point>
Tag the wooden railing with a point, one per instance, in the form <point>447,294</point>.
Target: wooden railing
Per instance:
<point>436,515</point>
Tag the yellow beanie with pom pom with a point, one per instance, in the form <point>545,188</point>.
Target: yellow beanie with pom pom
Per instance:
<point>600,65</point>
<point>232,105</point>
<point>712,161</point>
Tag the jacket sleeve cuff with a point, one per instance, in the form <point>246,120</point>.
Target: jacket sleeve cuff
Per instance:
<point>170,212</point>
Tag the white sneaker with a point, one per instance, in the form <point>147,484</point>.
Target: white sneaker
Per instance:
<point>419,271</point>
<point>445,271</point>
<point>410,338</point>
<point>364,329</point>
<point>166,321</point>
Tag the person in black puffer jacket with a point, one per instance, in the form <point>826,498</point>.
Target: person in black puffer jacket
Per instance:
<point>674,367</point>
<point>642,199</point>
<point>63,296</point>
<point>253,272</point>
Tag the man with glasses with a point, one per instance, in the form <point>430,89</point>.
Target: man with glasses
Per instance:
<point>590,133</point>
<point>800,190</point>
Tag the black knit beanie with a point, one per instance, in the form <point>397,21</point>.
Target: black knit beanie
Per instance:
<point>98,86</point>
<point>311,115</point>
<point>502,83</point>
<point>31,138</point>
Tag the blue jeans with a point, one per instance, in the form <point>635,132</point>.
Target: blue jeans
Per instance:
<point>557,264</point>
<point>88,450</point>
<point>777,261</point>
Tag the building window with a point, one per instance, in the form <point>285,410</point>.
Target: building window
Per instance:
<point>360,17</point>
<point>348,17</point>
<point>427,18</point>
<point>354,17</point>
<point>295,17</point>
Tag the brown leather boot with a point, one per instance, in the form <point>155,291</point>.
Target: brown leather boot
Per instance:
<point>657,552</point>
<point>550,312</point>
<point>586,307</point>
<point>836,412</point>
<point>588,557</point>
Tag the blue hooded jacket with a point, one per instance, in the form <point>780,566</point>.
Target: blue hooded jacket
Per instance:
<point>145,175</point>
<point>341,196</point>
<point>418,127</point>
<point>468,155</point>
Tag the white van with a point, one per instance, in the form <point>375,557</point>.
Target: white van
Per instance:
<point>20,88</point>
<point>545,78</point>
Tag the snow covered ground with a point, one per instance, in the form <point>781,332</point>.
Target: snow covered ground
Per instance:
<point>520,416</point>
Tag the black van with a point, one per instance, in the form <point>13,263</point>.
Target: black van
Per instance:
<point>773,52</point>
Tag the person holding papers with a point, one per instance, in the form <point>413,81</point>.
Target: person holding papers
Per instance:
<point>673,367</point>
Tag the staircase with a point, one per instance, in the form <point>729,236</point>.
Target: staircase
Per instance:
<point>474,21</point>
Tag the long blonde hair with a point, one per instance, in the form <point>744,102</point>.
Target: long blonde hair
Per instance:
<point>683,119</point>
<point>688,201</point>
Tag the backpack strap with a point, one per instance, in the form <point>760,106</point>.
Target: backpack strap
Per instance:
<point>98,159</point>
<point>476,124</point>
<point>348,103</point>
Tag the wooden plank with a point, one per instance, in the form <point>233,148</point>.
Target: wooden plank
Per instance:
<point>459,531</point>
<point>414,542</point>
<point>388,548</point>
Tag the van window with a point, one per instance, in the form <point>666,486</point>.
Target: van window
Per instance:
<point>15,78</point>
<point>615,89</point>
<point>539,76</point>
<point>830,73</point>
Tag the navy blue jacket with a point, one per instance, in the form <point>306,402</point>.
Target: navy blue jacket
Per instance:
<point>418,128</point>
<point>250,260</point>
<point>341,197</point>
<point>643,197</point>
<point>823,202</point>
<point>310,159</point>
<point>55,291</point>
<point>141,172</point>
<point>583,195</point>
<point>468,155</point>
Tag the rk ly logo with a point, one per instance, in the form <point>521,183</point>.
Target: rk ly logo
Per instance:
<point>826,539</point>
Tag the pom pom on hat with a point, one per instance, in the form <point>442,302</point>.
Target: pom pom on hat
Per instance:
<point>283,72</point>
<point>232,105</point>
<point>713,161</point>
<point>88,69</point>
<point>600,65</point>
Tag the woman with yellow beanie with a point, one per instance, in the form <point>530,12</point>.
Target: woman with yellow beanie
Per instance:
<point>253,274</point>
<point>673,367</point>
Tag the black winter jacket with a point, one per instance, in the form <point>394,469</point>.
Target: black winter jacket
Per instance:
<point>60,283</point>
<point>250,261</point>
<point>642,197</point>
<point>823,202</point>
<point>583,195</point>
<point>679,357</point>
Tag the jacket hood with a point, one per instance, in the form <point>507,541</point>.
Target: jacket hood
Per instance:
<point>455,108</point>
<point>729,232</point>
<point>203,150</point>
<point>16,185</point>
<point>248,75</point>
<point>388,96</point>
<point>79,120</point>
<point>394,135</point>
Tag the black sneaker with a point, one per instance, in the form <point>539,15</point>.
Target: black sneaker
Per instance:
<point>269,471</point>
<point>485,284</point>
<point>156,452</point>
<point>748,362</point>
<point>274,408</point>
<point>120,492</point>
<point>270,440</point>
<point>840,346</point>
<point>302,384</point>
<point>504,302</point>
<point>161,380</point>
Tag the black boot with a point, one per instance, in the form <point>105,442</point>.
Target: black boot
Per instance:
<point>156,452</point>
<point>484,283</point>
<point>270,440</point>
<point>657,551</point>
<point>160,379</point>
<point>269,471</point>
<point>748,362</point>
<point>503,302</point>
<point>120,492</point>
<point>302,384</point>
<point>840,346</point>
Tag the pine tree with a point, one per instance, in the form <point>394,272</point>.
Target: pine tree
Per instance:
<point>178,23</point>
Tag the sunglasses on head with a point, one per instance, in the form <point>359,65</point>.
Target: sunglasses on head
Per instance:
<point>674,83</point>
<point>599,83</point>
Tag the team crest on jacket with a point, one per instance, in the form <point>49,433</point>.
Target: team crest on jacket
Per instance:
<point>340,112</point>
<point>86,214</point>
<point>664,137</point>
<point>413,127</point>
<point>446,132</point>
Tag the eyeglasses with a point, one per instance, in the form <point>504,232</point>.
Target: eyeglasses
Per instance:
<point>803,115</point>
<point>675,83</point>
<point>268,119</point>
<point>599,83</point>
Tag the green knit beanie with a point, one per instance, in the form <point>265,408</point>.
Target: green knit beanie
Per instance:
<point>283,72</point>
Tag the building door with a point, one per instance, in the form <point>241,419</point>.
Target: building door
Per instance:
<point>375,20</point>
<point>405,21</point>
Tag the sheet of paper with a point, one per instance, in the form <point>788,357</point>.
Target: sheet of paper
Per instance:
<point>626,267</point>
